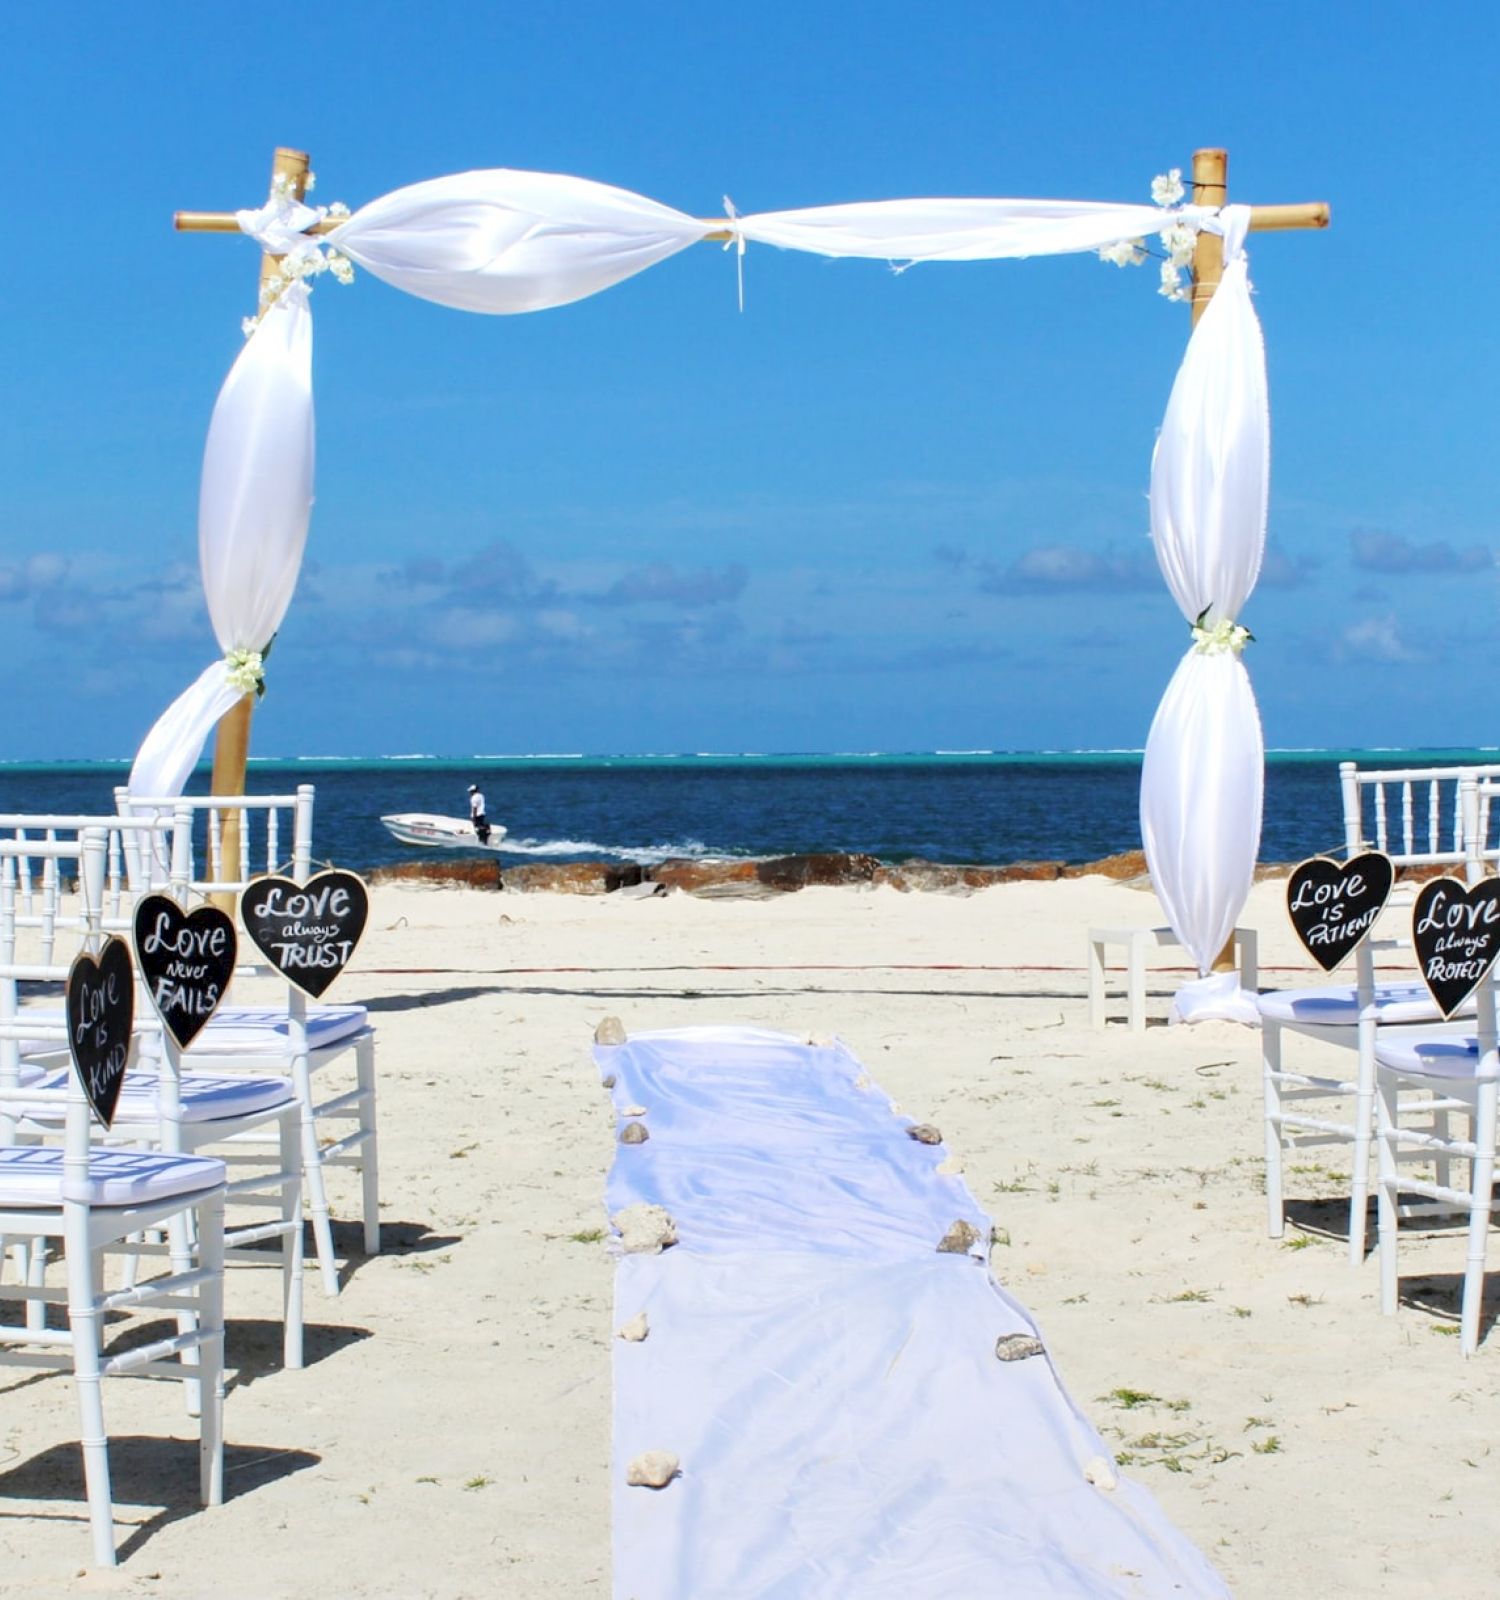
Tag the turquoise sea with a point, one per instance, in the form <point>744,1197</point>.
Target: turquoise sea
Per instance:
<point>954,806</point>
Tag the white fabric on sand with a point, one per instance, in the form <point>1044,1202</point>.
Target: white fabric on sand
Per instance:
<point>1202,778</point>
<point>254,504</point>
<point>826,1377</point>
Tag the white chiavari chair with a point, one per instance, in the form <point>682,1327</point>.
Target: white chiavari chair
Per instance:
<point>90,1198</point>
<point>299,1037</point>
<point>161,1105</point>
<point>1415,816</point>
<point>1453,1070</point>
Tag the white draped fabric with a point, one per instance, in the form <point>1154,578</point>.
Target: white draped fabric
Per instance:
<point>825,1375</point>
<point>1201,785</point>
<point>505,241</point>
<point>253,509</point>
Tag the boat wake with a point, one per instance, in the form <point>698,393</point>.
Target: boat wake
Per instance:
<point>589,850</point>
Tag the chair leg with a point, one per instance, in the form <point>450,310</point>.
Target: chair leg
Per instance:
<point>211,1353</point>
<point>84,1319</point>
<point>1481,1199</point>
<point>314,1190</point>
<point>1096,983</point>
<point>291,1245</point>
<point>1387,1112</point>
<point>1271,1069</point>
<point>1364,1119</point>
<point>1135,977</point>
<point>369,1149</point>
<point>180,1253</point>
<point>34,1277</point>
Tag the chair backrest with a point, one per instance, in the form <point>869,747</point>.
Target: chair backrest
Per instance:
<point>274,830</point>
<point>1413,814</point>
<point>42,887</point>
<point>88,850</point>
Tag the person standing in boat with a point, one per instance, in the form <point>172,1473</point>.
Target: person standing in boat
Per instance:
<point>476,814</point>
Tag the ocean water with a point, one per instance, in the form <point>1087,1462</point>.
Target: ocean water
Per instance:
<point>973,806</point>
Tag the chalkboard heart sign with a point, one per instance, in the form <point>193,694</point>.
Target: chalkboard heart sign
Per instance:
<point>307,931</point>
<point>1333,904</point>
<point>186,959</point>
<point>100,1009</point>
<point>1456,932</point>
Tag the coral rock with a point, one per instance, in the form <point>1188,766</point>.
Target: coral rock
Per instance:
<point>634,1331</point>
<point>610,1031</point>
<point>654,1469</point>
<point>644,1230</point>
<point>959,1239</point>
<point>1100,1473</point>
<point>1018,1347</point>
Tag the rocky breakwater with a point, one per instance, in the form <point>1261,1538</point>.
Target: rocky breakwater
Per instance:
<point>726,878</point>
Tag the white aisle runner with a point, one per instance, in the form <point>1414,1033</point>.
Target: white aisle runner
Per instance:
<point>826,1377</point>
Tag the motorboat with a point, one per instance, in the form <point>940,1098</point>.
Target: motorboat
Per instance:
<point>445,833</point>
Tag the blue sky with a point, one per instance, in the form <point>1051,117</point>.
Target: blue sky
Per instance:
<point>870,512</point>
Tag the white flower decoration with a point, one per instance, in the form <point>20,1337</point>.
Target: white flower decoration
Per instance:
<point>1225,637</point>
<point>245,671</point>
<point>1166,188</point>
<point>1124,252</point>
<point>1180,242</point>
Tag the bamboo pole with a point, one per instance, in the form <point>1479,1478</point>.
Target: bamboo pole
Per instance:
<point>1263,219</point>
<point>1210,188</point>
<point>232,741</point>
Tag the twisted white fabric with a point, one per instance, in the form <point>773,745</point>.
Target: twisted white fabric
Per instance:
<point>505,241</point>
<point>1201,783</point>
<point>253,509</point>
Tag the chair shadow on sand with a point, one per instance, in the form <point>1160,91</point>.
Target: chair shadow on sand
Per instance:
<point>1437,1294</point>
<point>144,1471</point>
<point>460,993</point>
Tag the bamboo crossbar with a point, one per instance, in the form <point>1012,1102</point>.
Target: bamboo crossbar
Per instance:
<point>1263,219</point>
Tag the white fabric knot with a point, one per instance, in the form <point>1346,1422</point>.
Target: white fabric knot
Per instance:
<point>1224,637</point>
<point>280,226</point>
<point>736,242</point>
<point>245,670</point>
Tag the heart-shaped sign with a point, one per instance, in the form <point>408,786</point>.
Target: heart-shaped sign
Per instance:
<point>186,959</point>
<point>100,1009</point>
<point>307,931</point>
<point>1333,904</point>
<point>1456,932</point>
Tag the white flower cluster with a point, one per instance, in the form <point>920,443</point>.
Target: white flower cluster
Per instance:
<point>286,220</point>
<point>1225,637</point>
<point>1178,238</point>
<point>245,670</point>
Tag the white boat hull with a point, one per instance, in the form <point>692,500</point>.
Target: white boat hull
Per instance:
<point>442,833</point>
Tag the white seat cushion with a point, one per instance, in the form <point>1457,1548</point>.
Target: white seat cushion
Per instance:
<point>258,1028</point>
<point>32,1175</point>
<point>203,1097</point>
<point>1428,1055</point>
<point>232,1030</point>
<point>1337,1005</point>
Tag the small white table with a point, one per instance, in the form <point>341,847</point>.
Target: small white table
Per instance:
<point>1137,941</point>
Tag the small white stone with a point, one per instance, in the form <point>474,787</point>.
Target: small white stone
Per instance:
<point>632,1111</point>
<point>634,1331</point>
<point>1100,1472</point>
<point>820,1041</point>
<point>643,1229</point>
<point>1018,1347</point>
<point>951,1167</point>
<point>654,1469</point>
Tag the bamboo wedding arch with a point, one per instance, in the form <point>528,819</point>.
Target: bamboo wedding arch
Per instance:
<point>507,241</point>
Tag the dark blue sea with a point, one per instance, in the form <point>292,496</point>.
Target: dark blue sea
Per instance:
<point>973,807</point>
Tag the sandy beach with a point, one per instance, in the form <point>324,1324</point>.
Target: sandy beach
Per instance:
<point>449,1436</point>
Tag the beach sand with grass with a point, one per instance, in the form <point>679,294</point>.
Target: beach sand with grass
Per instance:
<point>449,1436</point>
